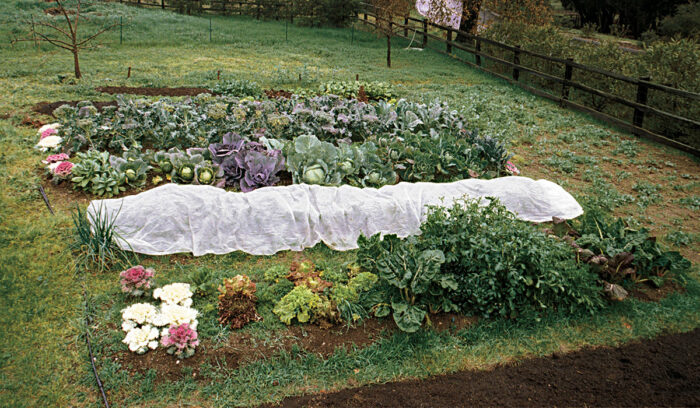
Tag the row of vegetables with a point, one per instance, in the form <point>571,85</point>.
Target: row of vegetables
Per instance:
<point>247,144</point>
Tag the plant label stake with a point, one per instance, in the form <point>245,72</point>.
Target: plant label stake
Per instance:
<point>286,30</point>
<point>128,73</point>
<point>218,75</point>
<point>121,29</point>
<point>209,29</point>
<point>352,39</point>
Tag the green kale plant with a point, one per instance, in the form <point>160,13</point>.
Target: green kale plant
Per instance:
<point>95,174</point>
<point>504,266</point>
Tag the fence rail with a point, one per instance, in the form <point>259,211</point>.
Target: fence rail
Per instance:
<point>430,33</point>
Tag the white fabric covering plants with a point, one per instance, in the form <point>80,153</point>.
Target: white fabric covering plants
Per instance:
<point>208,220</point>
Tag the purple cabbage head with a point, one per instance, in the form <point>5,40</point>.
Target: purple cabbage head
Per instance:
<point>233,173</point>
<point>232,144</point>
<point>260,169</point>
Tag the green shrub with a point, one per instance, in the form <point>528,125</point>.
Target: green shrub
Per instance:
<point>504,266</point>
<point>685,22</point>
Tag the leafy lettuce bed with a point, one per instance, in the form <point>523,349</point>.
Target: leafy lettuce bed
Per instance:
<point>246,144</point>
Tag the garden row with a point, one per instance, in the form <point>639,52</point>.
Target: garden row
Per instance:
<point>474,258</point>
<point>246,143</point>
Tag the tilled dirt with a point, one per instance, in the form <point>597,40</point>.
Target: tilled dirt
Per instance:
<point>660,372</point>
<point>47,108</point>
<point>182,91</point>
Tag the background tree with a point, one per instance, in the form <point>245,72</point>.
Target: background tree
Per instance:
<point>386,10</point>
<point>64,35</point>
<point>535,12</point>
<point>638,15</point>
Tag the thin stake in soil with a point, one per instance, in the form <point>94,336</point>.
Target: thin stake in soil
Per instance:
<point>46,199</point>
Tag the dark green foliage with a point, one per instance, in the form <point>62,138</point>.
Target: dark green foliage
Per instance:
<point>619,253</point>
<point>273,292</point>
<point>638,15</point>
<point>412,276</point>
<point>336,13</point>
<point>504,266</point>
<point>685,22</point>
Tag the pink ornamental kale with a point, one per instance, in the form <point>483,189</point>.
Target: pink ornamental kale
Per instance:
<point>47,133</point>
<point>63,169</point>
<point>181,340</point>
<point>136,280</point>
<point>55,158</point>
<point>510,168</point>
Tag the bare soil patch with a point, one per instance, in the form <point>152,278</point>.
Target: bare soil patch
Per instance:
<point>182,91</point>
<point>660,372</point>
<point>47,108</point>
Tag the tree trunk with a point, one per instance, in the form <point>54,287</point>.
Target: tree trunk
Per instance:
<point>470,18</point>
<point>76,63</point>
<point>388,51</point>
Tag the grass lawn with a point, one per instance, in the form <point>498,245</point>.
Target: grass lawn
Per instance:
<point>43,358</point>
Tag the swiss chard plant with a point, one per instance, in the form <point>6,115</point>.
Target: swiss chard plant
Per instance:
<point>416,285</point>
<point>619,253</point>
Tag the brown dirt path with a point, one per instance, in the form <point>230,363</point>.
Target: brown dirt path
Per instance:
<point>659,372</point>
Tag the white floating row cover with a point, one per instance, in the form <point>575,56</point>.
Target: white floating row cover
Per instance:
<point>208,220</point>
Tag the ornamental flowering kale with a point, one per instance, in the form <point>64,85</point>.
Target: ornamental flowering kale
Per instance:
<point>63,169</point>
<point>140,339</point>
<point>55,158</point>
<point>136,280</point>
<point>174,294</point>
<point>180,340</point>
<point>510,168</point>
<point>260,169</point>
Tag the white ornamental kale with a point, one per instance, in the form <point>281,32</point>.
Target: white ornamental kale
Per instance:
<point>175,315</point>
<point>174,294</point>
<point>140,339</point>
<point>137,314</point>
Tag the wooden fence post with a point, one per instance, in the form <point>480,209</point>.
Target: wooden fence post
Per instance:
<point>425,33</point>
<point>638,119</point>
<point>449,41</point>
<point>568,72</point>
<point>405,26</point>
<point>257,12</point>
<point>516,61</point>
<point>162,4</point>
<point>291,13</point>
<point>477,57</point>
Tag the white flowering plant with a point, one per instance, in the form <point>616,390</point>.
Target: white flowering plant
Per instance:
<point>174,294</point>
<point>142,322</point>
<point>141,339</point>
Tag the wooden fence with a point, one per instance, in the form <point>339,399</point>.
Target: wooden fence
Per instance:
<point>513,70</point>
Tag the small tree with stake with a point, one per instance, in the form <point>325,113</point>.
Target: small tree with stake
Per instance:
<point>64,35</point>
<point>385,10</point>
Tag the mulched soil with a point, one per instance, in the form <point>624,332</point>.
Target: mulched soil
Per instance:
<point>47,108</point>
<point>660,372</point>
<point>182,91</point>
<point>277,94</point>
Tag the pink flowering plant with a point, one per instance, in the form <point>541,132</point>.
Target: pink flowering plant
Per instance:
<point>56,158</point>
<point>48,132</point>
<point>63,170</point>
<point>136,280</point>
<point>181,340</point>
<point>511,169</point>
